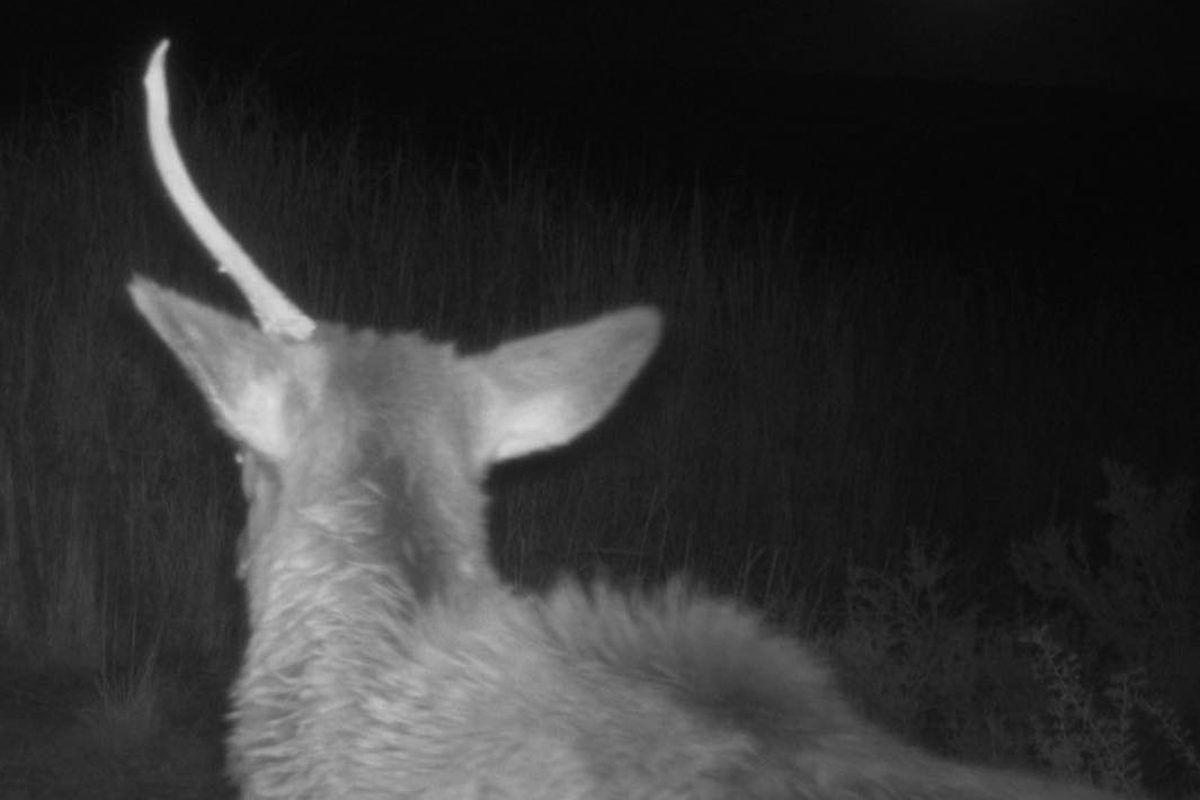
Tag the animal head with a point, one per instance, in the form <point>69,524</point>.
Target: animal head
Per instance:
<point>357,440</point>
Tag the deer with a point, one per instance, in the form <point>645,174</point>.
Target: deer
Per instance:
<point>386,656</point>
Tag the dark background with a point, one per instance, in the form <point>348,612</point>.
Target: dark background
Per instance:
<point>1141,47</point>
<point>906,107</point>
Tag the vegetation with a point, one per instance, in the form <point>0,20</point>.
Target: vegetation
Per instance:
<point>1101,706</point>
<point>831,402</point>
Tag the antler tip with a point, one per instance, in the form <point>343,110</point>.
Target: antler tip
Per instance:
<point>157,57</point>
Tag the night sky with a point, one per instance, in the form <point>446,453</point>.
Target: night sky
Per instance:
<point>746,77</point>
<point>1143,47</point>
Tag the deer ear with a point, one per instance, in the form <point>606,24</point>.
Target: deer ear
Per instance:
<point>253,382</point>
<point>543,391</point>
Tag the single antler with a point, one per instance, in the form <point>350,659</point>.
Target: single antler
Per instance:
<point>275,313</point>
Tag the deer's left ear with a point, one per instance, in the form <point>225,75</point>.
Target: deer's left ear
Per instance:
<point>259,388</point>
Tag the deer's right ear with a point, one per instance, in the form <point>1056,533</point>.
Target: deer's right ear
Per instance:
<point>257,387</point>
<point>543,391</point>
